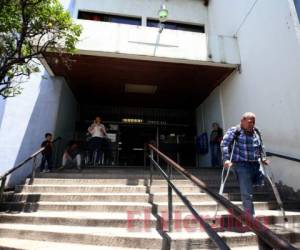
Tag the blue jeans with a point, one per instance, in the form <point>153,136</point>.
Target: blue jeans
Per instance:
<point>215,153</point>
<point>248,173</point>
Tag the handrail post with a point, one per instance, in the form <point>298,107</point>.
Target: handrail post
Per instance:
<point>151,166</point>
<point>2,188</point>
<point>170,172</point>
<point>33,171</point>
<point>170,204</point>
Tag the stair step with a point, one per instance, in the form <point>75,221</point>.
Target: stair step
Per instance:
<point>103,236</point>
<point>210,206</point>
<point>75,206</point>
<point>197,196</point>
<point>186,222</point>
<point>186,182</point>
<point>60,181</point>
<point>104,174</point>
<point>18,244</point>
<point>135,219</point>
<point>188,240</point>
<point>192,188</point>
<point>186,188</point>
<point>163,197</point>
<point>35,197</point>
<point>109,208</point>
<point>296,245</point>
<point>131,182</point>
<point>80,188</point>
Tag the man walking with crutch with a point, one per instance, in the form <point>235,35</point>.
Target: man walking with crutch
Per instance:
<point>242,148</point>
<point>246,154</point>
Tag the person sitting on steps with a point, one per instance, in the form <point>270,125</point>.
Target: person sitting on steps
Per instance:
<point>71,156</point>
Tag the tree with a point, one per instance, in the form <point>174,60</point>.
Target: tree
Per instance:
<point>28,29</point>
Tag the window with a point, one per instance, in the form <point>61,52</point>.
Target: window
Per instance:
<point>177,26</point>
<point>109,18</point>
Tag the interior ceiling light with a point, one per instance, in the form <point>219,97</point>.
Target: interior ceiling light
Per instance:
<point>132,120</point>
<point>140,88</point>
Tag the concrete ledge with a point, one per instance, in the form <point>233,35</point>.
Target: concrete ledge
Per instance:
<point>18,244</point>
<point>89,219</point>
<point>80,188</point>
<point>83,235</point>
<point>75,206</point>
<point>64,197</point>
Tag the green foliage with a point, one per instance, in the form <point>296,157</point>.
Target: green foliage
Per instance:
<point>28,28</point>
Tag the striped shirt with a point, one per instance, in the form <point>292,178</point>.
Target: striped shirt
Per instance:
<point>248,146</point>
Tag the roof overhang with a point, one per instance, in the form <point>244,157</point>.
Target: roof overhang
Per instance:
<point>102,80</point>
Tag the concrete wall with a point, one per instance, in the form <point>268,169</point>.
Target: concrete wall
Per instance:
<point>67,115</point>
<point>125,40</point>
<point>269,81</point>
<point>28,116</point>
<point>207,113</point>
<point>117,39</point>
<point>188,11</point>
<point>286,171</point>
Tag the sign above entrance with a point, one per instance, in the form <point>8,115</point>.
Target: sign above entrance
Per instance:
<point>128,120</point>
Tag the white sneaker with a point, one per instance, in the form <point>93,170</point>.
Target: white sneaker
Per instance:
<point>47,171</point>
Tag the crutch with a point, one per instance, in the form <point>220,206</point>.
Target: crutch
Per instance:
<point>269,175</point>
<point>223,181</point>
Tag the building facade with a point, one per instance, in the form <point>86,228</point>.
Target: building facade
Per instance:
<point>211,62</point>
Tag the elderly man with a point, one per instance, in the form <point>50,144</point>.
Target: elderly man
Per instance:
<point>247,152</point>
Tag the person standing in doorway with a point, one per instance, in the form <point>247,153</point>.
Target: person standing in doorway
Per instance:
<point>216,136</point>
<point>98,133</point>
<point>47,153</point>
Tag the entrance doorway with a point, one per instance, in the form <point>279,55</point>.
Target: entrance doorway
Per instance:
<point>162,94</point>
<point>133,140</point>
<point>172,130</point>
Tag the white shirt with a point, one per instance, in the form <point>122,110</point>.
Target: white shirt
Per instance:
<point>97,130</point>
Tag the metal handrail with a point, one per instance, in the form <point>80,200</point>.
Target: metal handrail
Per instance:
<point>33,156</point>
<point>219,242</point>
<point>265,234</point>
<point>283,156</point>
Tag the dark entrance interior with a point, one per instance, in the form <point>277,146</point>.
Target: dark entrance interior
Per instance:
<point>133,141</point>
<point>130,129</point>
<point>140,101</point>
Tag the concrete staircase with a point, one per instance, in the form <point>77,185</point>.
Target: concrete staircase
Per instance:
<point>114,208</point>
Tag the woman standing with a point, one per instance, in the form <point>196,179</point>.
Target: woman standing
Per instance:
<point>98,133</point>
